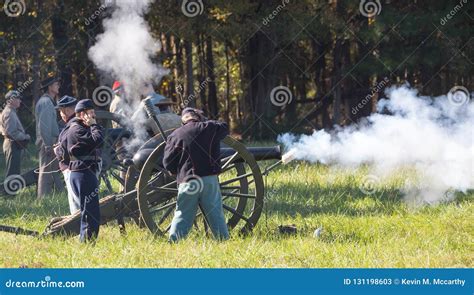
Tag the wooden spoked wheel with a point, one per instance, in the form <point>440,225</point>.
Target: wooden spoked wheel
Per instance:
<point>113,152</point>
<point>241,186</point>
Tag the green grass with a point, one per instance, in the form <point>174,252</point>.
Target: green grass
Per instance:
<point>360,230</point>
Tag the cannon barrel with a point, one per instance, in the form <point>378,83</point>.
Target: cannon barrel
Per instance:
<point>260,154</point>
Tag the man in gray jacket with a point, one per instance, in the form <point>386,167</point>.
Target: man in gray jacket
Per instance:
<point>47,132</point>
<point>15,138</point>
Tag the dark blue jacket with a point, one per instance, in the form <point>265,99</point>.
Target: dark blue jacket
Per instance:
<point>194,149</point>
<point>63,156</point>
<point>83,145</point>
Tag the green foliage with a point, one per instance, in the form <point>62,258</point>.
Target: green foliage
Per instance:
<point>313,47</point>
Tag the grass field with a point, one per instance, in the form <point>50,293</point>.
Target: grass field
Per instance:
<point>359,230</point>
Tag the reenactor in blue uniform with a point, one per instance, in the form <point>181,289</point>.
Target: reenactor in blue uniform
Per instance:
<point>192,153</point>
<point>84,140</point>
<point>66,106</point>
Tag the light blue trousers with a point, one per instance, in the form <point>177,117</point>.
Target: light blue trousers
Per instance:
<point>205,192</point>
<point>74,201</point>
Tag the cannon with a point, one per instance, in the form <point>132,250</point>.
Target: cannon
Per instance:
<point>148,193</point>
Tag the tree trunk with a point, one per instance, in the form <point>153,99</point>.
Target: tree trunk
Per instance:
<point>36,59</point>
<point>178,89</point>
<point>227,83</point>
<point>61,40</point>
<point>190,99</point>
<point>202,74</point>
<point>212,94</point>
<point>336,84</point>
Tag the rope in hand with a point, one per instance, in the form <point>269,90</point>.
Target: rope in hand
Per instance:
<point>37,171</point>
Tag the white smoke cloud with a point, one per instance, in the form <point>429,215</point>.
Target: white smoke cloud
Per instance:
<point>432,136</point>
<point>125,51</point>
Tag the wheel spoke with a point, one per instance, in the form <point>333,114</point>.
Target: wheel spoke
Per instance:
<point>117,177</point>
<point>167,213</point>
<point>226,197</point>
<point>154,178</point>
<point>169,184</point>
<point>236,178</point>
<point>162,189</point>
<point>232,210</point>
<point>232,166</point>
<point>230,187</point>
<point>107,182</point>
<point>167,229</point>
<point>170,205</point>
<point>230,194</point>
<point>231,159</point>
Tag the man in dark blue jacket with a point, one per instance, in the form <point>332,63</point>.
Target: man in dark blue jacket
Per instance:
<point>192,152</point>
<point>84,139</point>
<point>66,106</point>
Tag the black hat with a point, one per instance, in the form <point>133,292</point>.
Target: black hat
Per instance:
<point>83,105</point>
<point>49,81</point>
<point>66,101</point>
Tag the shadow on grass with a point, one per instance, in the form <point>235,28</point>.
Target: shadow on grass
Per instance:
<point>348,200</point>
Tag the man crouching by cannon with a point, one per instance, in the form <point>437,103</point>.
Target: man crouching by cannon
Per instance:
<point>84,139</point>
<point>192,152</point>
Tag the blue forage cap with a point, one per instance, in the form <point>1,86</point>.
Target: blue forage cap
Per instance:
<point>66,101</point>
<point>84,104</point>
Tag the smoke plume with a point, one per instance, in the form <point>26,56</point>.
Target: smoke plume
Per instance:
<point>125,51</point>
<point>432,135</point>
